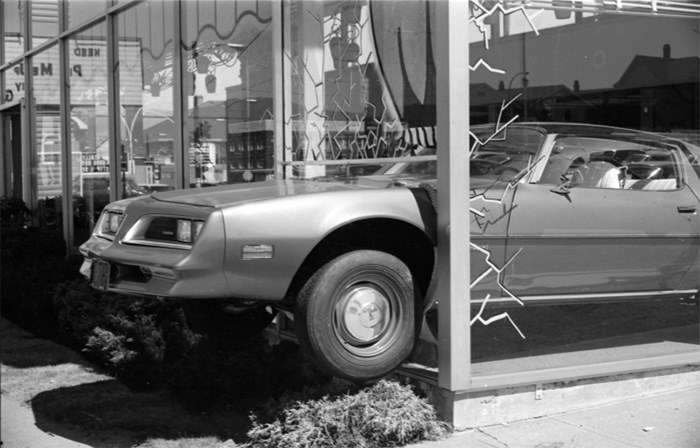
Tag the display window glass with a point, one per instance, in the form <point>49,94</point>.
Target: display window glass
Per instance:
<point>47,165</point>
<point>145,37</point>
<point>11,133</point>
<point>13,80</point>
<point>89,127</point>
<point>227,85</point>
<point>44,18</point>
<point>13,32</point>
<point>78,11</point>
<point>599,263</point>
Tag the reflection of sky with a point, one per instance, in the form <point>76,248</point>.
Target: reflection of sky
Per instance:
<point>162,103</point>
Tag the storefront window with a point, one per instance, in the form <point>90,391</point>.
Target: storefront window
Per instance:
<point>46,162</point>
<point>11,135</point>
<point>44,20</point>
<point>589,69</point>
<point>13,79</point>
<point>348,111</point>
<point>78,11</point>
<point>227,47</point>
<point>13,34</point>
<point>146,98</point>
<point>89,107</point>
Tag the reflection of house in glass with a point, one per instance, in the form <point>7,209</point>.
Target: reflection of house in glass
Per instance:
<point>653,93</point>
<point>660,92</point>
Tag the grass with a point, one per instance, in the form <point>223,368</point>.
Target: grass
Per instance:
<point>32,365</point>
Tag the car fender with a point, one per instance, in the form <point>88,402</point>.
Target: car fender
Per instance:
<point>292,226</point>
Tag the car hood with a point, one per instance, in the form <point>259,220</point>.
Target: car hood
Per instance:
<point>225,195</point>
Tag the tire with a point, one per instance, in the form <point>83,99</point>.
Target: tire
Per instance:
<point>355,317</point>
<point>213,319</point>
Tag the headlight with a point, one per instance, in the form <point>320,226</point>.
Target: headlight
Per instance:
<point>184,231</point>
<point>115,220</point>
<point>109,223</point>
<point>169,230</point>
<point>188,230</point>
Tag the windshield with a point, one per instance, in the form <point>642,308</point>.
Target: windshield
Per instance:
<point>505,157</point>
<point>502,157</point>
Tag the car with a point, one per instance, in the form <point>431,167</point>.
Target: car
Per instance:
<point>95,188</point>
<point>155,188</point>
<point>561,213</point>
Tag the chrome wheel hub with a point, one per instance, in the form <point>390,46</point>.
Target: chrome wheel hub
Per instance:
<point>364,314</point>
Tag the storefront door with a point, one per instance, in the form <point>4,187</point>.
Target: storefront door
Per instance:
<point>12,152</point>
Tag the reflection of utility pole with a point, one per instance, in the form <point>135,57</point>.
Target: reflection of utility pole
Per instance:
<point>129,128</point>
<point>525,81</point>
<point>195,141</point>
<point>247,109</point>
<point>248,175</point>
<point>525,84</point>
<point>128,165</point>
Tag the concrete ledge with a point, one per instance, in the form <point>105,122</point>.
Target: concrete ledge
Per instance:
<point>465,410</point>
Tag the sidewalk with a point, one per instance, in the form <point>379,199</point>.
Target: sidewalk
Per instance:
<point>19,429</point>
<point>670,420</point>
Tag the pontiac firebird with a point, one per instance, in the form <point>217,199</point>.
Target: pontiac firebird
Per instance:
<point>560,214</point>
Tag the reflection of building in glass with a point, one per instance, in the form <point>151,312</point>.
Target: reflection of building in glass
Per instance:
<point>602,77</point>
<point>653,93</point>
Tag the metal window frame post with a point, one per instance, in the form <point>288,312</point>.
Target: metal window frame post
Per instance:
<point>452,73</point>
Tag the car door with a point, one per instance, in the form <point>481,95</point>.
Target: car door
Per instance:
<point>591,239</point>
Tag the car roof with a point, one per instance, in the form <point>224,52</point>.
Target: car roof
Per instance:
<point>581,130</point>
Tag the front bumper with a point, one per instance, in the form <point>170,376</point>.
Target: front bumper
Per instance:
<point>157,271</point>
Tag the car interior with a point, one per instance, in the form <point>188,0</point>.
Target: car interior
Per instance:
<point>631,166</point>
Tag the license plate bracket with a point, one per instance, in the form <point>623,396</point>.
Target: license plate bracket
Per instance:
<point>100,275</point>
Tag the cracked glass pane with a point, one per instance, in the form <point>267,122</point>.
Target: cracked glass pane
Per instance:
<point>597,263</point>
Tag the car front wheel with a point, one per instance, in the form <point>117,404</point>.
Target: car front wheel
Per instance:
<point>356,315</point>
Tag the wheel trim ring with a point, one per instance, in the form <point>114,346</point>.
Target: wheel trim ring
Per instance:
<point>392,313</point>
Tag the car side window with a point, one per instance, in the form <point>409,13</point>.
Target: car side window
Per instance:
<point>611,164</point>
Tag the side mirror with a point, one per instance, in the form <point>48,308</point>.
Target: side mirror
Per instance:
<point>563,189</point>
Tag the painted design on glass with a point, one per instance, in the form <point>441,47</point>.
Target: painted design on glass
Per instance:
<point>480,13</point>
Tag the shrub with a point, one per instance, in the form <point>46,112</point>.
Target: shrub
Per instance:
<point>33,263</point>
<point>147,343</point>
<point>386,414</point>
<point>13,212</point>
<point>134,338</point>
